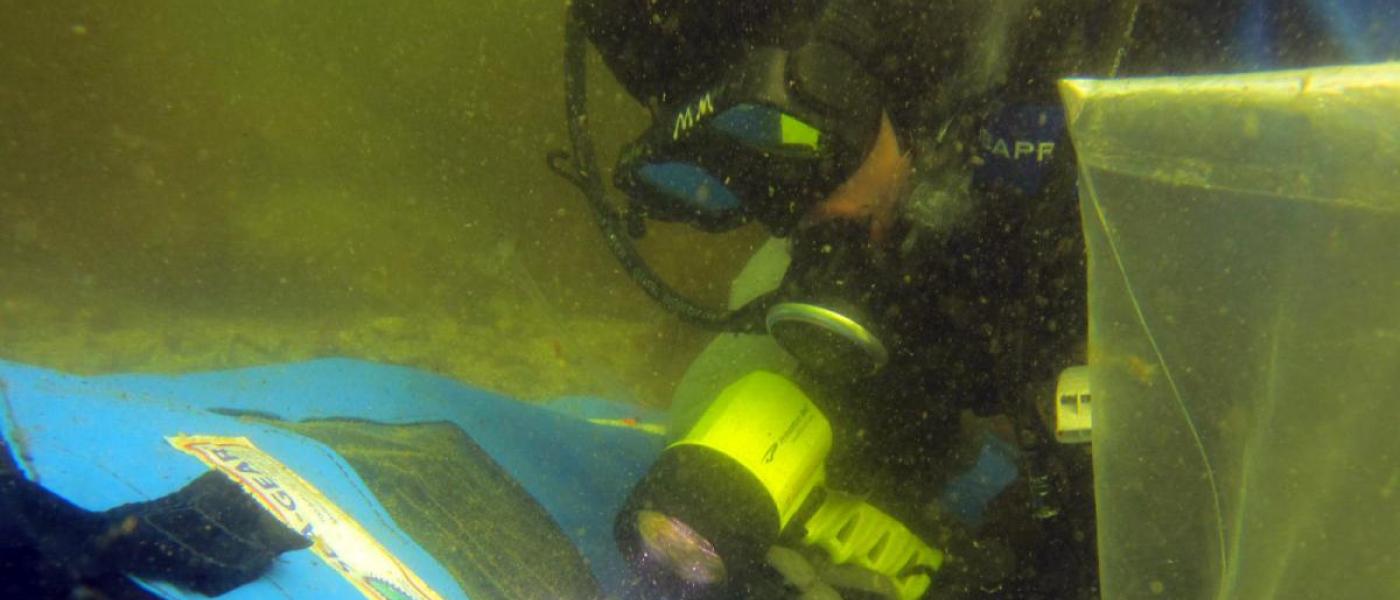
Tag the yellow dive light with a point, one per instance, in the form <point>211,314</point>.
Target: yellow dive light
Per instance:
<point>749,472</point>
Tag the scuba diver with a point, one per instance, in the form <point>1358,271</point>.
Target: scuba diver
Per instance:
<point>928,300</point>
<point>910,160</point>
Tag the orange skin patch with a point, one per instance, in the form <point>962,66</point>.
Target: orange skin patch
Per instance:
<point>874,191</point>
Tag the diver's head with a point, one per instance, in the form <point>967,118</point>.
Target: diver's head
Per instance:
<point>798,142</point>
<point>789,131</point>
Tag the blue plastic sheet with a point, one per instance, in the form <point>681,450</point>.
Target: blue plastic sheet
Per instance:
<point>100,442</point>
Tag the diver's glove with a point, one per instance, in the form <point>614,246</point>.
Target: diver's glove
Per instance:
<point>814,577</point>
<point>210,536</point>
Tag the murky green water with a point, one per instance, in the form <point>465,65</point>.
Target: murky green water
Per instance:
<point>194,186</point>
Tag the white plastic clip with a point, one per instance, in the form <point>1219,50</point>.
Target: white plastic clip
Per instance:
<point>1074,417</point>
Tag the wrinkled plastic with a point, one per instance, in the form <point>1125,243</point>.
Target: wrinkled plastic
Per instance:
<point>1244,270</point>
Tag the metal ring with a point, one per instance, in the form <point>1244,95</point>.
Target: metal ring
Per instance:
<point>832,321</point>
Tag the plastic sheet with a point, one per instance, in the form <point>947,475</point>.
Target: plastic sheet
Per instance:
<point>1244,262</point>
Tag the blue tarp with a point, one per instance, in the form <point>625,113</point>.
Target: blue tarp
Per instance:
<point>100,442</point>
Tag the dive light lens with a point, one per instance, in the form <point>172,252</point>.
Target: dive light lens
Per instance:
<point>679,548</point>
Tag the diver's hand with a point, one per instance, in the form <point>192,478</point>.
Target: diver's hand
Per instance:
<point>821,580</point>
<point>209,536</point>
<point>799,573</point>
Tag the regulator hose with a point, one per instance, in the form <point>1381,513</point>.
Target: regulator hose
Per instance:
<point>581,168</point>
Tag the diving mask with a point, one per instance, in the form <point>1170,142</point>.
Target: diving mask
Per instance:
<point>780,131</point>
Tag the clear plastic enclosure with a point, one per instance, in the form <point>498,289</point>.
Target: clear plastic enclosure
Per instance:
<point>1244,250</point>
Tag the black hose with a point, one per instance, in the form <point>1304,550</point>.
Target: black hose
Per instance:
<point>584,173</point>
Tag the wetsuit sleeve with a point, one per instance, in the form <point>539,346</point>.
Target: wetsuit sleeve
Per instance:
<point>209,536</point>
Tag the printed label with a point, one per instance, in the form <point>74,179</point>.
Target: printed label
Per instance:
<point>338,539</point>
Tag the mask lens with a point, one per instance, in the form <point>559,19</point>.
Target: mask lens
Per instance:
<point>678,548</point>
<point>689,187</point>
<point>770,129</point>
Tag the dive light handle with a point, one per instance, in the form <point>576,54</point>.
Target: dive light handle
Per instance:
<point>851,531</point>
